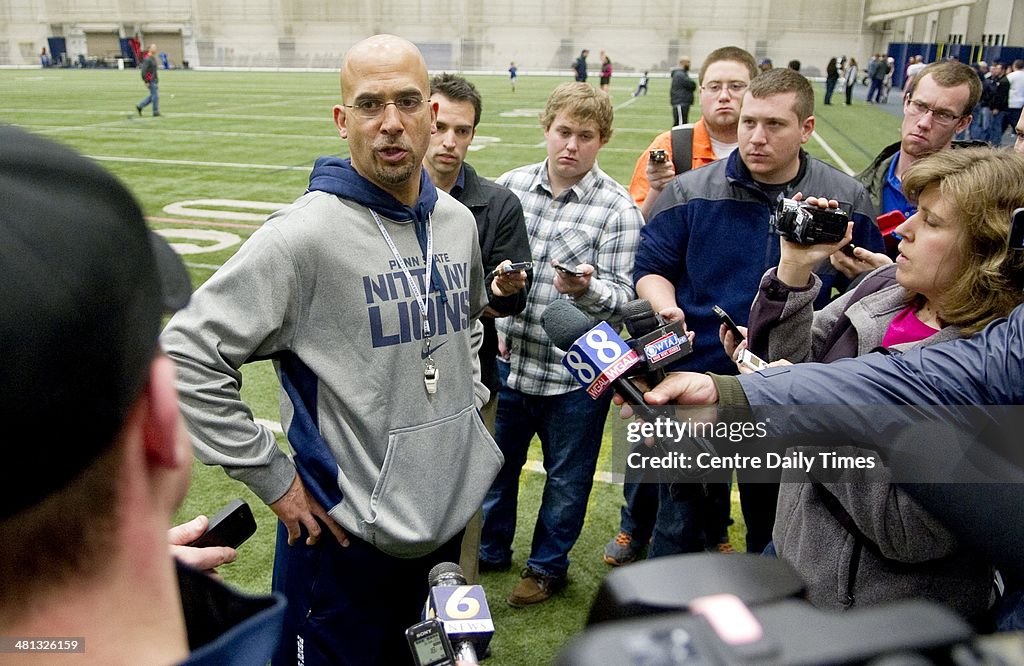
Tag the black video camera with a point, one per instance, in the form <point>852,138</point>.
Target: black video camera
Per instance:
<point>809,225</point>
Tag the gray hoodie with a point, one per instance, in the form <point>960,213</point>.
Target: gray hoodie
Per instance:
<point>317,290</point>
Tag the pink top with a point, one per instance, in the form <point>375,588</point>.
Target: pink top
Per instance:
<point>906,327</point>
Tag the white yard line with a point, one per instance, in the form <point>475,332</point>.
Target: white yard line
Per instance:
<point>833,154</point>
<point>218,165</point>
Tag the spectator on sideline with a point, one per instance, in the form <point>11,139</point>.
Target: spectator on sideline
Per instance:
<point>389,468</point>
<point>501,231</point>
<point>513,73</point>
<point>1015,101</point>
<point>709,242</point>
<point>680,92</point>
<point>794,65</point>
<point>577,217</point>
<point>831,78</point>
<point>914,68</point>
<point>580,66</point>
<point>851,79</point>
<point>606,71</point>
<point>102,458</point>
<point>999,103</point>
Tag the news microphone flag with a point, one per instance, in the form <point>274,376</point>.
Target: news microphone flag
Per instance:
<point>599,357</point>
<point>461,608</point>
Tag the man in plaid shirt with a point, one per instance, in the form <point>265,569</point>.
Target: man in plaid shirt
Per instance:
<point>582,220</point>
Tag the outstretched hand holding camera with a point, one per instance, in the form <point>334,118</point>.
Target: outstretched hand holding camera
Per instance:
<point>798,261</point>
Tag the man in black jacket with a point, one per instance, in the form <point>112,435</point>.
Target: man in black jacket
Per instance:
<point>681,92</point>
<point>501,230</point>
<point>148,69</point>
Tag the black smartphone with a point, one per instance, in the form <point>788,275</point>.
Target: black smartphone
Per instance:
<point>1017,229</point>
<point>230,527</point>
<point>848,249</point>
<point>737,336</point>
<point>515,266</point>
<point>429,644</point>
<point>565,270</point>
<point>659,155</point>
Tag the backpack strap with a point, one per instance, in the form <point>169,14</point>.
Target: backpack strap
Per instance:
<point>682,148</point>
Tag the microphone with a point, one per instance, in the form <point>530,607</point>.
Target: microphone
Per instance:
<point>598,359</point>
<point>595,355</point>
<point>463,610</point>
<point>658,342</point>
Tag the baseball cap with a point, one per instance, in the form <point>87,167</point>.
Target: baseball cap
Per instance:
<point>85,286</point>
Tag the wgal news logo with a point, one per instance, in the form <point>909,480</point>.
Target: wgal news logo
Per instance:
<point>598,358</point>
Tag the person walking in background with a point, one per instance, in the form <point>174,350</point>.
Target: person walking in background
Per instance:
<point>831,78</point>
<point>513,72</point>
<point>641,86</point>
<point>681,92</point>
<point>876,75</point>
<point>606,71</point>
<point>851,79</point>
<point>148,71</point>
<point>580,66</point>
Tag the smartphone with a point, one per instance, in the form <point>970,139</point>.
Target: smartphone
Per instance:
<point>848,249</point>
<point>230,527</point>
<point>1017,229</point>
<point>565,270</point>
<point>737,336</point>
<point>659,155</point>
<point>429,644</point>
<point>748,360</point>
<point>515,266</point>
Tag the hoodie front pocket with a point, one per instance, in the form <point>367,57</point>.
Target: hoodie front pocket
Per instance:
<point>433,480</point>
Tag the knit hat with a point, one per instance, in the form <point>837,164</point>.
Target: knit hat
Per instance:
<point>85,286</point>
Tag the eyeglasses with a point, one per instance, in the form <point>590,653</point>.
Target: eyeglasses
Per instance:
<point>715,87</point>
<point>916,108</point>
<point>373,108</point>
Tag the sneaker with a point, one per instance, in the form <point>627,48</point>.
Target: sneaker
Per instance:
<point>138,110</point>
<point>483,566</point>
<point>156,115</point>
<point>534,587</point>
<point>621,550</point>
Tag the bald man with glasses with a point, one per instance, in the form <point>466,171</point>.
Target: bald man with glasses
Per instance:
<point>366,293</point>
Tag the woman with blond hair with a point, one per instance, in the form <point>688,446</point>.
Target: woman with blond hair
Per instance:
<point>865,542</point>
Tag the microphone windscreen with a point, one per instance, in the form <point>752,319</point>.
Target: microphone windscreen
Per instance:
<point>639,317</point>
<point>446,571</point>
<point>564,323</point>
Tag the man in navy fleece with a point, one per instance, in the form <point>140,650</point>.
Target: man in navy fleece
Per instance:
<point>709,241</point>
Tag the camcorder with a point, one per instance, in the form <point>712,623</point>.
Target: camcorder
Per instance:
<point>802,223</point>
